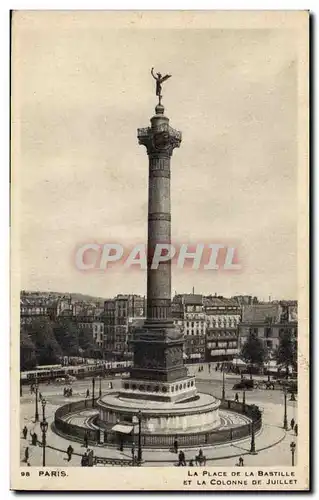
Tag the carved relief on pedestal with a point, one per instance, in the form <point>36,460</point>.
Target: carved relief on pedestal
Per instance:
<point>174,356</point>
<point>151,358</point>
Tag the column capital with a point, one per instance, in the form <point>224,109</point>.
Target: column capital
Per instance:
<point>160,140</point>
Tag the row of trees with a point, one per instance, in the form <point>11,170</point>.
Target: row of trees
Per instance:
<point>254,352</point>
<point>44,342</point>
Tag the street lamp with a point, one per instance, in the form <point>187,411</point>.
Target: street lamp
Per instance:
<point>223,393</point>
<point>293,449</point>
<point>44,428</point>
<point>36,416</point>
<point>285,426</point>
<point>93,385</point>
<point>138,419</point>
<point>100,389</point>
<point>252,441</point>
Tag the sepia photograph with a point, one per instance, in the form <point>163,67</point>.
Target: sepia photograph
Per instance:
<point>159,271</point>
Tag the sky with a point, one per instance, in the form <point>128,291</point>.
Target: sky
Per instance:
<point>82,87</point>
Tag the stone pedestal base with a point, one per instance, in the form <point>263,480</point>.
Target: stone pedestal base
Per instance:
<point>159,417</point>
<point>179,390</point>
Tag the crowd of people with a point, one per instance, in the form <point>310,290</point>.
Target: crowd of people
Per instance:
<point>67,392</point>
<point>199,459</point>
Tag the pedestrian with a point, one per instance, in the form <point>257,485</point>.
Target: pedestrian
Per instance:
<point>296,429</point>
<point>69,452</point>
<point>292,424</point>
<point>34,439</point>
<point>241,462</point>
<point>175,445</point>
<point>90,458</point>
<point>64,391</point>
<point>40,396</point>
<point>26,455</point>
<point>181,458</point>
<point>133,451</point>
<point>236,397</point>
<point>71,392</point>
<point>84,460</point>
<point>86,440</point>
<point>87,393</point>
<point>25,432</point>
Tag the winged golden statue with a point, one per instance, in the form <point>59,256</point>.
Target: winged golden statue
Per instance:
<point>159,80</point>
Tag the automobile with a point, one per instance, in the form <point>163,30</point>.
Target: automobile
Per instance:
<point>60,380</point>
<point>245,384</point>
<point>267,384</point>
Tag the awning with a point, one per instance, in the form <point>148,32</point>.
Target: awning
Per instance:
<point>123,429</point>
<point>223,352</point>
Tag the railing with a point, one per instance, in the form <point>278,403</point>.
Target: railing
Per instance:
<point>114,462</point>
<point>162,440</point>
<point>73,430</point>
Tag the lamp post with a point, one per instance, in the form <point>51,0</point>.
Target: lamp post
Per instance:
<point>244,399</point>
<point>36,416</point>
<point>268,364</point>
<point>223,393</point>
<point>93,386</point>
<point>100,388</point>
<point>139,450</point>
<point>44,428</point>
<point>285,425</point>
<point>252,441</point>
<point>293,449</point>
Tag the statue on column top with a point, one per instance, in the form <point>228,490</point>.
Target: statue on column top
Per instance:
<point>159,80</point>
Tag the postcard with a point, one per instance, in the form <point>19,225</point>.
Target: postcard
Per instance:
<point>159,279</point>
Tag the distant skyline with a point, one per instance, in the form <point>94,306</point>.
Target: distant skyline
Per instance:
<point>261,299</point>
<point>84,88</point>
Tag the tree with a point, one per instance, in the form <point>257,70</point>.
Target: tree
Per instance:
<point>253,351</point>
<point>286,353</point>
<point>27,351</point>
<point>86,342</point>
<point>67,335</point>
<point>47,349</point>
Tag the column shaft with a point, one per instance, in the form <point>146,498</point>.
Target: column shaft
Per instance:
<point>159,231</point>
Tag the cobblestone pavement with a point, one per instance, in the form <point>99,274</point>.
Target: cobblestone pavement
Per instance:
<point>272,443</point>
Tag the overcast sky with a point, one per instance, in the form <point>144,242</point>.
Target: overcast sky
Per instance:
<point>83,88</point>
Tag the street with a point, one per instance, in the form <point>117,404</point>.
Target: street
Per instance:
<point>273,442</point>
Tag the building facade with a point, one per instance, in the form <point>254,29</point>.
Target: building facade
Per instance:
<point>189,315</point>
<point>222,317</point>
<point>269,321</point>
<point>118,316</point>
